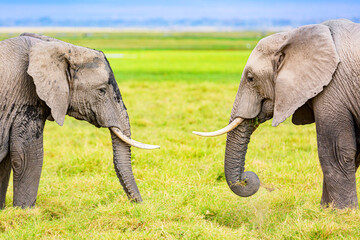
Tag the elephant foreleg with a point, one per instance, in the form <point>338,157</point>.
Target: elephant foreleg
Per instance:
<point>337,152</point>
<point>5,169</point>
<point>26,147</point>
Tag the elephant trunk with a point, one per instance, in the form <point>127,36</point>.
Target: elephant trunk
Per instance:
<point>122,164</point>
<point>241,183</point>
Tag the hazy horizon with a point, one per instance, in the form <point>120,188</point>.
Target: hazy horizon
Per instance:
<point>150,13</point>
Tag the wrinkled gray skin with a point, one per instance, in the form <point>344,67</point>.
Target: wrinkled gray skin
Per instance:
<point>312,73</point>
<point>44,78</point>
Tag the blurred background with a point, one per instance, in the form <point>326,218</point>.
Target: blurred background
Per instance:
<point>225,15</point>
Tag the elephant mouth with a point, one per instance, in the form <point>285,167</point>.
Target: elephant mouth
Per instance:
<point>267,110</point>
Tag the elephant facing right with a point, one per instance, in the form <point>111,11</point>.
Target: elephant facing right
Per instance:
<point>312,73</point>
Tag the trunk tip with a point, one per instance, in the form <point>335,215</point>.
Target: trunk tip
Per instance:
<point>247,186</point>
<point>136,199</point>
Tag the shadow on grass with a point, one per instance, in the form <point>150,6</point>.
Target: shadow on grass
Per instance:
<point>256,213</point>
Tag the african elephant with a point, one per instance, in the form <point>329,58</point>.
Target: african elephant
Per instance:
<point>312,73</point>
<point>44,78</point>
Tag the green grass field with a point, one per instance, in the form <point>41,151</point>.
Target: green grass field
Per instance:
<point>171,86</point>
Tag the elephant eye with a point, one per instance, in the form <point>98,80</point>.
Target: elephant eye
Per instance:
<point>102,91</point>
<point>250,79</point>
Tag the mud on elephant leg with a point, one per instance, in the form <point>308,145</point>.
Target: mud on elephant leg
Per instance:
<point>26,144</point>
<point>337,152</point>
<point>5,170</point>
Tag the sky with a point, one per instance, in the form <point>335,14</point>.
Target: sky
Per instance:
<point>297,11</point>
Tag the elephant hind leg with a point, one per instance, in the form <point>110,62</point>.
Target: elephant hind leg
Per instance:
<point>5,169</point>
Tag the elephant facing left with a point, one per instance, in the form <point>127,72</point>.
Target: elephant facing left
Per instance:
<point>42,78</point>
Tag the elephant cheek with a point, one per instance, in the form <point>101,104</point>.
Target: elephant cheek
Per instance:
<point>247,105</point>
<point>111,114</point>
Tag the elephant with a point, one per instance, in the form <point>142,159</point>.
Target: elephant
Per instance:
<point>312,73</point>
<point>43,78</point>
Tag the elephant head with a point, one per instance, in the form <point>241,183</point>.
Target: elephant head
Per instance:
<point>283,72</point>
<point>79,82</point>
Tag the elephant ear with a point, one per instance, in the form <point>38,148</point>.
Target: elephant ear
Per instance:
<point>304,64</point>
<point>48,66</point>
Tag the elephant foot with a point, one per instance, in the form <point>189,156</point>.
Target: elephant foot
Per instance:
<point>338,201</point>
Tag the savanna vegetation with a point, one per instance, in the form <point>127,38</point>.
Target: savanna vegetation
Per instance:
<point>172,84</point>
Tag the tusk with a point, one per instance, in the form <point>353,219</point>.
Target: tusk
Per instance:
<point>130,141</point>
<point>226,129</point>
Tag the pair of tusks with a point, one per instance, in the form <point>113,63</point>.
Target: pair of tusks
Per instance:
<point>130,141</point>
<point>226,129</point>
<point>137,144</point>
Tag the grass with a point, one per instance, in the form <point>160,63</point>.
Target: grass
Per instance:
<point>170,93</point>
<point>159,40</point>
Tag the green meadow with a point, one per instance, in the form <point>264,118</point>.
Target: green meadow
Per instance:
<point>173,84</point>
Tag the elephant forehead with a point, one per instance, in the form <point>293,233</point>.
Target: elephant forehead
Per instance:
<point>93,74</point>
<point>82,56</point>
<point>259,63</point>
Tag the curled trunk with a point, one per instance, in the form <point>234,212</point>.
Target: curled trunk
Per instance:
<point>241,183</point>
<point>122,164</point>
